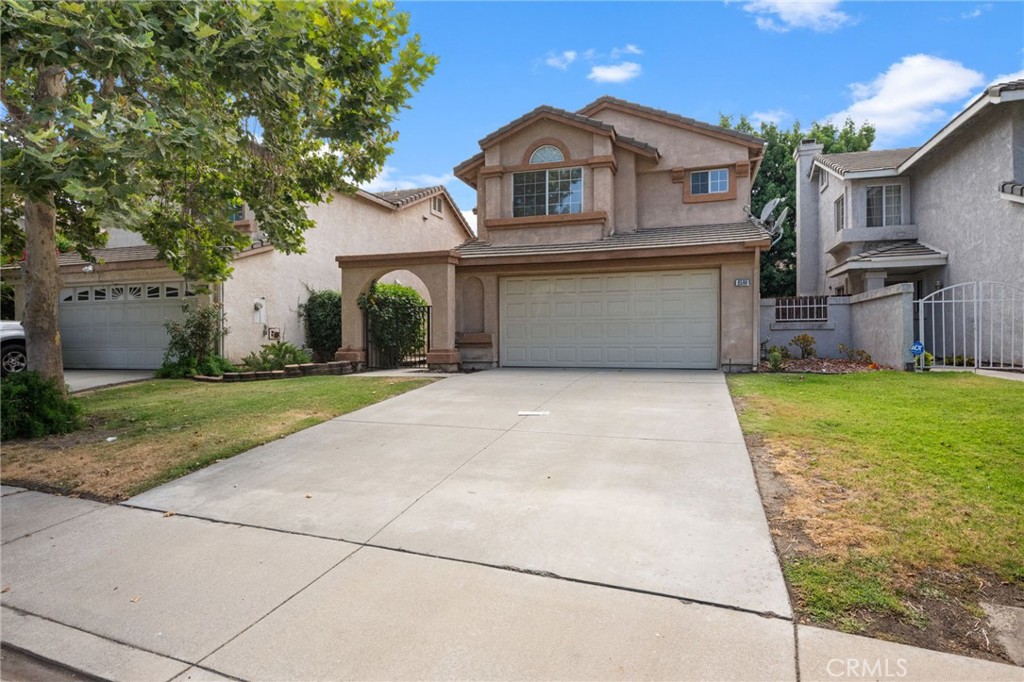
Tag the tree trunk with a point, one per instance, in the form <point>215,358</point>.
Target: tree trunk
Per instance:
<point>42,288</point>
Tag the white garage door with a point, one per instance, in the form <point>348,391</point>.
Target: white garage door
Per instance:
<point>118,326</point>
<point>637,319</point>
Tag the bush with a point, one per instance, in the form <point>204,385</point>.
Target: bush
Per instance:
<point>855,354</point>
<point>276,356</point>
<point>783,352</point>
<point>33,407</point>
<point>775,363</point>
<point>321,315</point>
<point>192,348</point>
<point>395,317</point>
<point>805,342</point>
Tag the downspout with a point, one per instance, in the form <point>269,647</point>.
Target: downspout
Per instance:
<point>757,308</point>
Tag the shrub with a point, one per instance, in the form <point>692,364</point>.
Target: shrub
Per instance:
<point>193,342</point>
<point>395,317</point>
<point>783,352</point>
<point>775,361</point>
<point>805,342</point>
<point>33,407</point>
<point>275,356</point>
<point>855,354</point>
<point>321,315</point>
<point>212,366</point>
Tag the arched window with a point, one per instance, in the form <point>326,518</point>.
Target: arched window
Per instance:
<point>546,154</point>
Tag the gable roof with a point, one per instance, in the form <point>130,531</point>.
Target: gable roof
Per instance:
<point>608,101</point>
<point>999,93</point>
<point>865,162</point>
<point>400,199</point>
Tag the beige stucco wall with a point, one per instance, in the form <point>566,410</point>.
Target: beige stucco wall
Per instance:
<point>346,226</point>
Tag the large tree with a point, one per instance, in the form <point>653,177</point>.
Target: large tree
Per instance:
<point>162,116</point>
<point>777,178</point>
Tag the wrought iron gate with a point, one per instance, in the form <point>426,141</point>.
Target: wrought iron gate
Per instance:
<point>401,339</point>
<point>977,325</point>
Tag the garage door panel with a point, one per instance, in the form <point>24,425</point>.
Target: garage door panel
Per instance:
<point>117,326</point>
<point>640,319</point>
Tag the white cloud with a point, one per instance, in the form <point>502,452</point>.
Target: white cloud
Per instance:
<point>470,218</point>
<point>784,15</point>
<point>908,96</point>
<point>775,116</point>
<point>630,48</point>
<point>976,12</point>
<point>389,179</point>
<point>615,73</point>
<point>562,60</point>
<point>1007,77</point>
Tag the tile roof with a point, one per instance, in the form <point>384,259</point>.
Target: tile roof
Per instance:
<point>661,237</point>
<point>880,159</point>
<point>1011,187</point>
<point>118,254</point>
<point>905,249</point>
<point>999,88</point>
<point>401,197</point>
<point>608,99</point>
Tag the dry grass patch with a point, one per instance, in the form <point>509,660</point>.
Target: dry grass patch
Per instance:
<point>142,435</point>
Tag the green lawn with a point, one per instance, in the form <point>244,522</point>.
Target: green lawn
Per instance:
<point>165,429</point>
<point>895,477</point>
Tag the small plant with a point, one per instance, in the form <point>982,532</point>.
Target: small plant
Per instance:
<point>193,342</point>
<point>275,356</point>
<point>783,352</point>
<point>775,361</point>
<point>805,342</point>
<point>855,354</point>
<point>321,315</point>
<point>33,407</point>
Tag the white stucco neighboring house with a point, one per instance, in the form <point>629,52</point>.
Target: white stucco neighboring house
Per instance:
<point>111,313</point>
<point>948,212</point>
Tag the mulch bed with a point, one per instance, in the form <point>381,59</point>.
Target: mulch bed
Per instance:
<point>823,366</point>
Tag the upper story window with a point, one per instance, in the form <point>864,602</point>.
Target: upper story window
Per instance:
<point>885,205</point>
<point>840,213</point>
<point>555,191</point>
<point>237,213</point>
<point>547,154</point>
<point>715,181</point>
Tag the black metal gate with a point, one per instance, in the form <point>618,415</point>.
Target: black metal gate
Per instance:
<point>398,336</point>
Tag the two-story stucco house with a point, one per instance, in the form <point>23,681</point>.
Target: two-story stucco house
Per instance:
<point>614,236</point>
<point>946,213</point>
<point>111,314</point>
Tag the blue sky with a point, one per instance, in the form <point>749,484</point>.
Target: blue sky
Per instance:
<point>905,66</point>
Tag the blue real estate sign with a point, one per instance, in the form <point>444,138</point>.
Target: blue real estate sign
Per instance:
<point>917,348</point>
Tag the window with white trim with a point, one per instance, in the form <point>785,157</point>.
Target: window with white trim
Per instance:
<point>556,191</point>
<point>884,205</point>
<point>547,153</point>
<point>840,213</point>
<point>714,181</point>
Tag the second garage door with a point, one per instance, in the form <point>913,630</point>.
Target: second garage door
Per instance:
<point>638,319</point>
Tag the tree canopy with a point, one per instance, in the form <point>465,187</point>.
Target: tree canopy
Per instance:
<point>777,178</point>
<point>163,116</point>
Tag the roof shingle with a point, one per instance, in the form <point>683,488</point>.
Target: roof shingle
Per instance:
<point>608,99</point>
<point>907,249</point>
<point>879,159</point>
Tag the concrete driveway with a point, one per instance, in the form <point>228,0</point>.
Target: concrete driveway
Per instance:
<point>616,533</point>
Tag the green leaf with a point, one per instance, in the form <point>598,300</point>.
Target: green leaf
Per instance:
<point>313,62</point>
<point>205,31</point>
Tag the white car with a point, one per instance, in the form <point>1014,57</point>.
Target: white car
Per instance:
<point>12,348</point>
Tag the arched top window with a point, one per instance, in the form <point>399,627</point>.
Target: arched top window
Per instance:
<point>546,154</point>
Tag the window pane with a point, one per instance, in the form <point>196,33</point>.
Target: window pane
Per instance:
<point>67,295</point>
<point>99,294</point>
<point>170,291</point>
<point>699,182</point>
<point>875,207</point>
<point>528,193</point>
<point>116,293</point>
<point>546,154</point>
<point>83,294</point>
<point>840,214</point>
<point>152,291</point>
<point>565,191</point>
<point>893,205</point>
<point>719,181</point>
<point>134,292</point>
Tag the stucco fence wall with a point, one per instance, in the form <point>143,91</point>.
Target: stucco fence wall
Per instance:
<point>880,322</point>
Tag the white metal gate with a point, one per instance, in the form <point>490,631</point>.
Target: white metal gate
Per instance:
<point>977,325</point>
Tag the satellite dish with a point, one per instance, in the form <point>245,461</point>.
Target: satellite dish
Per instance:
<point>781,219</point>
<point>769,207</point>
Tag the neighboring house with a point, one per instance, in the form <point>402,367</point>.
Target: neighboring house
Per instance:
<point>948,212</point>
<point>615,236</point>
<point>111,314</point>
